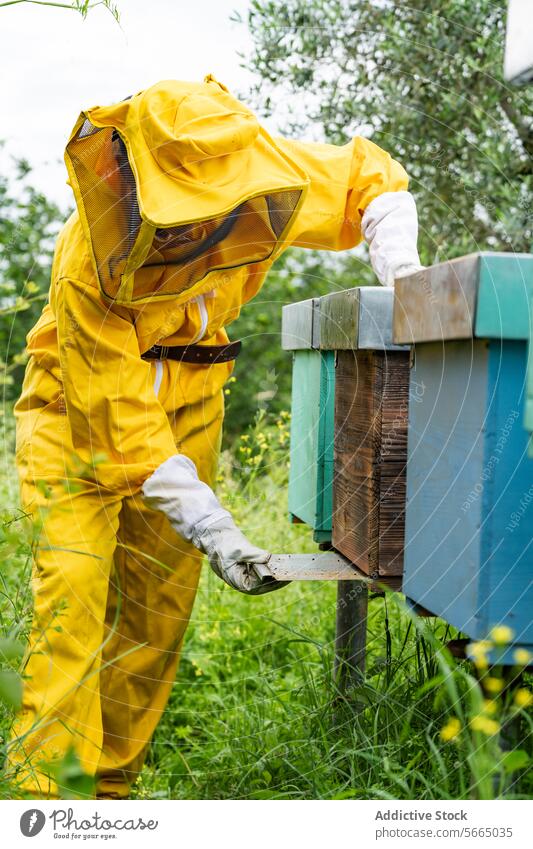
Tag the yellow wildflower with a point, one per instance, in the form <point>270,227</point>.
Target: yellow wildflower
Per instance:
<point>478,651</point>
<point>523,698</point>
<point>451,730</point>
<point>522,656</point>
<point>490,707</point>
<point>493,685</point>
<point>485,725</point>
<point>502,634</point>
<point>479,647</point>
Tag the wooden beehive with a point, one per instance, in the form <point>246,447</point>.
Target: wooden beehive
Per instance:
<point>323,333</point>
<point>468,538</point>
<point>371,408</point>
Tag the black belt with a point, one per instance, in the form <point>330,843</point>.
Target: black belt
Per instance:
<point>201,354</point>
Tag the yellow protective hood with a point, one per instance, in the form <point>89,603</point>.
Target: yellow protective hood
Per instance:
<point>174,183</point>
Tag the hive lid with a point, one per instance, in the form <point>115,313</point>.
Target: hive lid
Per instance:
<point>483,295</point>
<point>299,325</point>
<point>375,319</point>
<point>353,318</point>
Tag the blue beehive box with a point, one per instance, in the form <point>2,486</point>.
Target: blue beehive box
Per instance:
<point>469,515</point>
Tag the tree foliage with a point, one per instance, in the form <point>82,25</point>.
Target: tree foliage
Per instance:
<point>28,226</point>
<point>425,82</point>
<point>81,6</point>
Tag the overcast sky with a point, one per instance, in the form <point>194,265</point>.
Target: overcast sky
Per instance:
<point>53,64</point>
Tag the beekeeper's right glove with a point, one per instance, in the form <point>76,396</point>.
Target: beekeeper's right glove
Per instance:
<point>195,513</point>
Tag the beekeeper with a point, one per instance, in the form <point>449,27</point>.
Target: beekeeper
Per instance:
<point>183,203</point>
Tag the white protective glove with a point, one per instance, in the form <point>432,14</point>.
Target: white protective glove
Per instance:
<point>195,513</point>
<point>390,226</point>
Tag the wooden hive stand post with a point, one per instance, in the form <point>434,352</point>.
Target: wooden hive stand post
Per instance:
<point>350,635</point>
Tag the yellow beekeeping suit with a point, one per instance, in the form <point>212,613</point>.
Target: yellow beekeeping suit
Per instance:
<point>113,584</point>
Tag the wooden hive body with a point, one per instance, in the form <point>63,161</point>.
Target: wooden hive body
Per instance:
<point>371,409</point>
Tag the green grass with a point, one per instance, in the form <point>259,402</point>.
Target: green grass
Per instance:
<point>254,712</point>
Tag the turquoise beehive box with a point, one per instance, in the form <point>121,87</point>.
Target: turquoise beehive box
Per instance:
<point>312,405</point>
<point>469,514</point>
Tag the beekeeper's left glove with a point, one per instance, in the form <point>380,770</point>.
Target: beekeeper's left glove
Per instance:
<point>390,226</point>
<point>195,513</point>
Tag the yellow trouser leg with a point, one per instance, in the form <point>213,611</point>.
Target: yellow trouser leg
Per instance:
<point>61,702</point>
<point>155,604</point>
